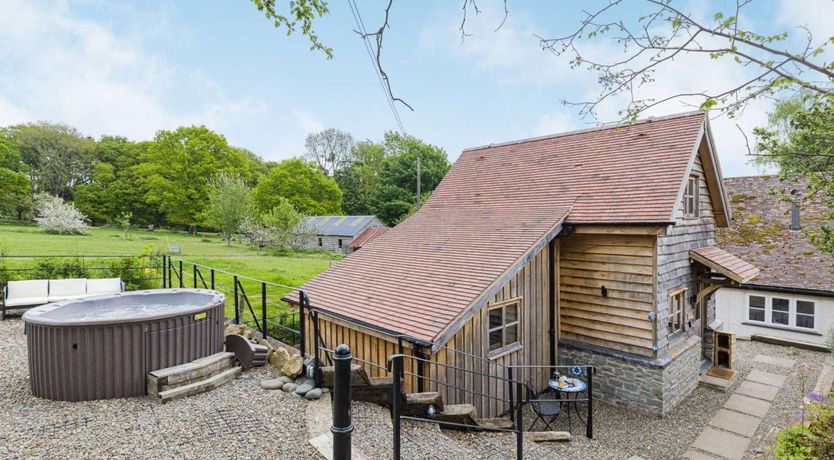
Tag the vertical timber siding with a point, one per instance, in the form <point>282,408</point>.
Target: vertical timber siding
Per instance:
<point>530,285</point>
<point>624,265</point>
<point>674,269</point>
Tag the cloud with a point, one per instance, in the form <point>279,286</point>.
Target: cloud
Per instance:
<point>60,67</point>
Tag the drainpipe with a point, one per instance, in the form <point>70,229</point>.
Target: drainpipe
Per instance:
<point>551,294</point>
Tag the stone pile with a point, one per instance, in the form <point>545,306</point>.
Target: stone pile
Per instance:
<point>290,365</point>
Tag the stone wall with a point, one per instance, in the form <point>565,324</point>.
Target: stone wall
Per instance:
<point>645,385</point>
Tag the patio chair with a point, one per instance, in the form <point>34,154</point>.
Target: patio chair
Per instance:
<point>545,410</point>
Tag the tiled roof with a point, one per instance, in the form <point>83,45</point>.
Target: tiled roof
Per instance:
<point>760,233</point>
<point>495,206</point>
<point>367,236</point>
<point>336,225</point>
<point>725,263</point>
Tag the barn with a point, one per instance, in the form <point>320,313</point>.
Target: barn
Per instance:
<point>588,247</point>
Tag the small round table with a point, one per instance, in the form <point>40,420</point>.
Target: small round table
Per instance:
<point>574,387</point>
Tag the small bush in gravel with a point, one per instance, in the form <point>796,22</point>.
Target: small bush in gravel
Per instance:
<point>812,440</point>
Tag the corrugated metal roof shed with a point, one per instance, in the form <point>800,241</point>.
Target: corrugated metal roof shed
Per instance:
<point>337,225</point>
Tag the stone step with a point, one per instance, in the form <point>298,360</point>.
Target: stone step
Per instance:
<point>418,403</point>
<point>184,374</point>
<point>464,414</point>
<point>494,423</point>
<point>200,386</point>
<point>547,436</point>
<point>714,382</point>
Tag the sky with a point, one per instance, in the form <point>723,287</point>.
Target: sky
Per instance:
<point>132,68</point>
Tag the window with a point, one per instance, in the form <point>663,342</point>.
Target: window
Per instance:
<point>690,197</point>
<point>503,325</point>
<point>677,306</point>
<point>319,242</point>
<point>756,308</point>
<point>805,314</point>
<point>781,311</point>
<point>340,243</point>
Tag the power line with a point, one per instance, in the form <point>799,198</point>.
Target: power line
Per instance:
<point>360,24</point>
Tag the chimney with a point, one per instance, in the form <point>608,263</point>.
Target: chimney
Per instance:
<point>796,194</point>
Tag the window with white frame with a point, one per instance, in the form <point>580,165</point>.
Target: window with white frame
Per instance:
<point>782,311</point>
<point>504,325</point>
<point>690,197</point>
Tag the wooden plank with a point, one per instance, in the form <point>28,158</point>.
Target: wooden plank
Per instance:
<point>619,229</point>
<point>609,240</point>
<point>606,310</point>
<point>644,296</point>
<point>607,267</point>
<point>605,257</point>
<point>610,331</point>
<point>608,301</point>
<point>602,275</point>
<point>638,347</point>
<point>596,317</point>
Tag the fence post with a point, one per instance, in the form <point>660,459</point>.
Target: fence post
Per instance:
<point>263,310</point>
<point>181,283</point>
<point>342,426</point>
<point>418,351</point>
<point>164,271</point>
<point>302,298</point>
<point>589,429</point>
<point>316,342</point>
<point>402,352</point>
<point>519,426</point>
<point>237,312</point>
<point>170,274</point>
<point>212,279</point>
<point>395,404</point>
<point>511,391</point>
<point>194,266</point>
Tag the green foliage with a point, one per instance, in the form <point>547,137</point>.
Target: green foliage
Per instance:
<point>14,193</point>
<point>360,177</point>
<point>58,155</point>
<point>124,221</point>
<point>814,441</point>
<point>798,141</point>
<point>173,171</point>
<point>309,190</point>
<point>300,13</point>
<point>228,202</point>
<point>54,268</point>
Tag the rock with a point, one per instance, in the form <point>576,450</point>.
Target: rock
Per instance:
<point>235,329</point>
<point>300,380</point>
<point>263,342</point>
<point>293,367</point>
<point>313,394</point>
<point>279,357</point>
<point>285,379</point>
<point>272,384</point>
<point>325,391</point>
<point>289,387</point>
<point>303,389</point>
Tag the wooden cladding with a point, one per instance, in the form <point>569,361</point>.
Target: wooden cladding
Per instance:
<point>606,285</point>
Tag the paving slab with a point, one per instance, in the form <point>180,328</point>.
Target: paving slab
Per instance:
<point>721,443</point>
<point>736,422</point>
<point>757,390</point>
<point>775,361</point>
<point>768,378</point>
<point>747,405</point>
<point>693,454</point>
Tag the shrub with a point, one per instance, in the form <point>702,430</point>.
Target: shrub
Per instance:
<point>54,215</point>
<point>53,269</point>
<point>812,441</point>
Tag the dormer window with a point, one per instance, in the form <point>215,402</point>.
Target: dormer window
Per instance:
<point>690,197</point>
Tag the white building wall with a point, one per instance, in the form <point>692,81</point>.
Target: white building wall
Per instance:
<point>731,308</point>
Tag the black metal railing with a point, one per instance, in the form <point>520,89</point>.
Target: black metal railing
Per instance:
<point>137,271</point>
<point>257,303</point>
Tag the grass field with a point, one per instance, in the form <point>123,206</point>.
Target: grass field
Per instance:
<point>22,245</point>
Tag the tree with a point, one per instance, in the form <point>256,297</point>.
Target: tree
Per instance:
<point>14,193</point>
<point>300,12</point>
<point>303,184</point>
<point>94,199</point>
<point>10,157</point>
<point>360,177</point>
<point>280,226</point>
<point>329,149</point>
<point>174,169</point>
<point>396,196</point>
<point>798,141</point>
<point>652,34</point>
<point>56,216</point>
<point>59,157</point>
<point>228,198</point>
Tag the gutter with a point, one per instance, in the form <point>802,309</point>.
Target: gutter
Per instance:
<point>785,289</point>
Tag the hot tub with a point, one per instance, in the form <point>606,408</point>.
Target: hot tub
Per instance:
<point>102,347</point>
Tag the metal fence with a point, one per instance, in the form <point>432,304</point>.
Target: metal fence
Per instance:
<point>137,271</point>
<point>257,303</point>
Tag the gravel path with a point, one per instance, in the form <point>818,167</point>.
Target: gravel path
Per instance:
<point>237,420</point>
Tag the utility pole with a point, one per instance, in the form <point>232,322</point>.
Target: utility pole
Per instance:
<point>418,181</point>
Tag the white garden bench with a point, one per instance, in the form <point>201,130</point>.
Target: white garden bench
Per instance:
<point>31,293</point>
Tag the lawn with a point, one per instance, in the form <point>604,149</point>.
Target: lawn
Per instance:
<point>22,245</point>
